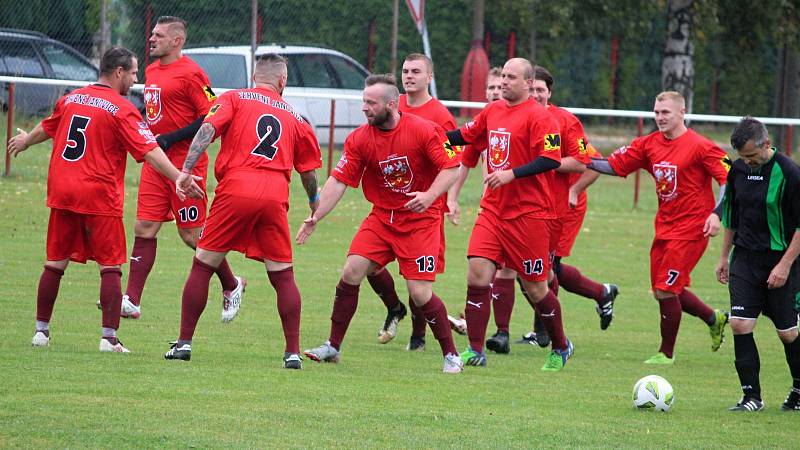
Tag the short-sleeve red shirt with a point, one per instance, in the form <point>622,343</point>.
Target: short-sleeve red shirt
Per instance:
<point>516,135</point>
<point>175,95</point>
<point>573,144</point>
<point>432,110</point>
<point>261,133</point>
<point>92,129</point>
<point>682,169</point>
<point>396,162</point>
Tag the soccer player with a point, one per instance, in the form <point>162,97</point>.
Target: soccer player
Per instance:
<point>262,140</point>
<point>574,153</point>
<point>406,164</point>
<point>761,216</point>
<point>417,76</point>
<point>177,96</point>
<point>92,128</point>
<point>682,163</point>
<point>524,148</point>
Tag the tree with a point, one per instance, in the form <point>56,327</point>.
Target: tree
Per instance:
<point>677,67</point>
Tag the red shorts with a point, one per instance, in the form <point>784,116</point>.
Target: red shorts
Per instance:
<point>158,202</point>
<point>258,228</point>
<point>672,261</point>
<point>571,225</point>
<point>442,247</point>
<point>81,237</point>
<point>416,249</point>
<point>521,244</point>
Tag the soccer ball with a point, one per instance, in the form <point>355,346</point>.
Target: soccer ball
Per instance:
<point>653,392</point>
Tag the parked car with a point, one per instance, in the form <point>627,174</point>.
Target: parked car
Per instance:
<point>312,70</point>
<point>32,54</point>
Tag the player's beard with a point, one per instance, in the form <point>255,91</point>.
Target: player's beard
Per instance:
<point>379,119</point>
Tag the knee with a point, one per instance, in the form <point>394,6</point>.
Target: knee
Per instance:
<point>351,275</point>
<point>741,326</point>
<point>420,295</point>
<point>536,290</point>
<point>788,336</point>
<point>146,229</point>
<point>189,236</point>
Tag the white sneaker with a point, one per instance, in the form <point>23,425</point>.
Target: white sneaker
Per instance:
<point>40,340</point>
<point>129,310</point>
<point>231,300</point>
<point>106,346</point>
<point>458,325</point>
<point>324,353</point>
<point>453,363</point>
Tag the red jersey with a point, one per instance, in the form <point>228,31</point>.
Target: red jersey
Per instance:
<point>432,110</point>
<point>261,133</point>
<point>517,135</point>
<point>175,95</point>
<point>573,144</point>
<point>92,129</point>
<point>396,162</point>
<point>682,169</point>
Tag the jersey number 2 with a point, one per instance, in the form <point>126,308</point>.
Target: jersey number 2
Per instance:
<point>76,138</point>
<point>268,130</point>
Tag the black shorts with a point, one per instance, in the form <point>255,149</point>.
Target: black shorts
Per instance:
<point>750,297</point>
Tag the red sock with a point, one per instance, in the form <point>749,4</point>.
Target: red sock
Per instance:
<point>288,306</point>
<point>111,296</point>
<point>477,311</point>
<point>549,310</point>
<point>417,320</point>
<point>143,256</point>
<point>553,285</point>
<point>436,316</point>
<point>345,304</point>
<point>195,297</point>
<point>383,285</point>
<point>48,291</point>
<point>226,277</point>
<point>503,302</point>
<point>694,306</point>
<point>670,309</point>
<point>573,281</point>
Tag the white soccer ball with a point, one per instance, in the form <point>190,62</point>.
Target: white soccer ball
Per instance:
<point>653,392</point>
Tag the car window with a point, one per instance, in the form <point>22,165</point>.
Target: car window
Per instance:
<point>67,66</point>
<point>224,71</point>
<point>350,75</point>
<point>312,70</point>
<point>21,59</point>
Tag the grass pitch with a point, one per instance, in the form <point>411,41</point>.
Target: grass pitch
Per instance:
<point>234,392</point>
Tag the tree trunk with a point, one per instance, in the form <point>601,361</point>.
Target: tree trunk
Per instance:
<point>677,67</point>
<point>787,95</point>
<point>532,35</point>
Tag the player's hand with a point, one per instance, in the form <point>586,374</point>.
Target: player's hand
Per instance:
<point>722,270</point>
<point>711,227</point>
<point>573,199</point>
<point>496,179</point>
<point>186,185</point>
<point>16,144</point>
<point>306,229</point>
<point>454,216</point>
<point>420,201</point>
<point>778,276</point>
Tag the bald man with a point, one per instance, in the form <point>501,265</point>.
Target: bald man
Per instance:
<point>177,96</point>
<point>517,210</point>
<point>263,139</point>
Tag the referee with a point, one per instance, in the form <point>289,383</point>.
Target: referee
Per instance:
<point>761,216</point>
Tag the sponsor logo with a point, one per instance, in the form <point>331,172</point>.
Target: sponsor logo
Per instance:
<point>582,146</point>
<point>726,163</point>
<point>152,103</point>
<point>210,95</point>
<point>449,149</point>
<point>737,308</point>
<point>499,149</point>
<point>213,110</point>
<point>342,162</point>
<point>755,177</point>
<point>666,176</point>
<point>552,142</point>
<point>477,305</point>
<point>397,173</point>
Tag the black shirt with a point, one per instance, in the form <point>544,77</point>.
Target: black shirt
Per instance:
<point>763,204</point>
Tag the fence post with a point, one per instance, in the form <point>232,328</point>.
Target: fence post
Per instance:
<point>330,136</point>
<point>10,126</point>
<point>639,131</point>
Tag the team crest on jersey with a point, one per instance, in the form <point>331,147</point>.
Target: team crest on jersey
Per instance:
<point>499,146</point>
<point>666,176</point>
<point>210,95</point>
<point>397,173</point>
<point>582,146</point>
<point>152,103</point>
<point>449,149</point>
<point>726,163</point>
<point>552,142</point>
<point>213,110</point>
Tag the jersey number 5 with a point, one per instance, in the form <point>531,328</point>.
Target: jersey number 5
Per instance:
<point>268,130</point>
<point>76,138</point>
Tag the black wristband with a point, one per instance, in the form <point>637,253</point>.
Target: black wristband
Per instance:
<point>455,137</point>
<point>180,134</point>
<point>538,165</point>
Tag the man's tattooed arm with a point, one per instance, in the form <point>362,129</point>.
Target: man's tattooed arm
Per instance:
<point>310,184</point>
<point>199,145</point>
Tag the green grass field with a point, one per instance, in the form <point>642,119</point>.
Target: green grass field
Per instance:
<point>234,392</point>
